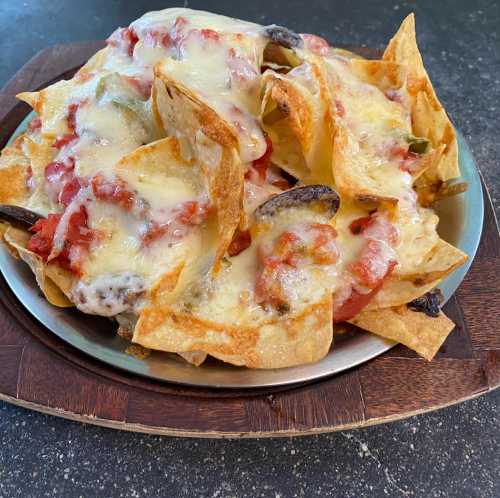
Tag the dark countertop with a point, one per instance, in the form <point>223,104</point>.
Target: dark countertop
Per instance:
<point>453,452</point>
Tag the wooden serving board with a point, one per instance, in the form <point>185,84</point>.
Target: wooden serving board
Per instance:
<point>39,371</point>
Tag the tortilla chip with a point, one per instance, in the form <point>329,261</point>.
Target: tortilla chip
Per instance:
<point>437,263</point>
<point>351,173</point>
<point>385,75</point>
<point>51,104</point>
<point>50,282</point>
<point>296,115</point>
<point>396,292</point>
<point>196,358</point>
<point>214,145</point>
<point>429,118</point>
<point>13,173</point>
<point>276,344</point>
<point>417,331</point>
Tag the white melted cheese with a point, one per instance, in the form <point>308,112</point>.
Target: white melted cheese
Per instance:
<point>223,70</point>
<point>376,123</point>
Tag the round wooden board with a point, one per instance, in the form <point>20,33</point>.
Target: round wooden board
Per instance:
<point>39,371</point>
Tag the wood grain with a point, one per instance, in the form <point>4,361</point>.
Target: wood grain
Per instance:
<point>41,372</point>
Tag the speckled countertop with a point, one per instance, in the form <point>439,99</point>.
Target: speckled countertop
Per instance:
<point>451,453</point>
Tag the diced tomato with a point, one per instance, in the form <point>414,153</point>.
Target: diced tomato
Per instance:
<point>193,213</point>
<point>77,241</point>
<point>72,110</point>
<point>158,38</point>
<point>316,242</point>
<point>357,301</point>
<point>143,87</point>
<point>316,44</point>
<point>61,142</point>
<point>359,226</point>
<point>188,214</point>
<point>41,242</point>
<point>240,242</point>
<point>70,190</point>
<point>131,38</point>
<point>124,39</point>
<point>376,226</point>
<point>288,248</point>
<point>268,289</point>
<point>114,191</point>
<point>409,162</point>
<point>57,174</point>
<point>35,124</point>
<point>76,244</point>
<point>210,34</point>
<point>261,165</point>
<point>339,107</point>
<point>324,249</point>
<point>372,264</point>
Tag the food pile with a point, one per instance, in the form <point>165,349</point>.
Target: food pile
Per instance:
<point>228,189</point>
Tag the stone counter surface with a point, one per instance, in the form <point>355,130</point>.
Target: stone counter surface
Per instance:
<point>451,453</point>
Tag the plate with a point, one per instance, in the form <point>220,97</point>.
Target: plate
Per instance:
<point>461,221</point>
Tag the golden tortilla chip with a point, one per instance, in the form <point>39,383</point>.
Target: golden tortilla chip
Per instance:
<point>352,173</point>
<point>436,264</point>
<point>276,344</point>
<point>51,104</point>
<point>396,292</point>
<point>196,358</point>
<point>385,75</point>
<point>429,119</point>
<point>51,282</point>
<point>296,115</point>
<point>417,331</point>
<point>214,145</point>
<point>13,173</point>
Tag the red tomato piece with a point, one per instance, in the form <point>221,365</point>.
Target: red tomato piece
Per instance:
<point>130,37</point>
<point>188,214</point>
<point>77,241</point>
<point>339,107</point>
<point>124,39</point>
<point>210,34</point>
<point>44,229</point>
<point>324,250</point>
<point>72,110</point>
<point>258,171</point>
<point>57,174</point>
<point>373,263</point>
<point>241,241</point>
<point>61,142</point>
<point>70,190</point>
<point>193,213</point>
<point>158,38</point>
<point>357,301</point>
<point>114,191</point>
<point>360,225</point>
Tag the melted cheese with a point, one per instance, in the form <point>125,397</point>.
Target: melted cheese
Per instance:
<point>219,60</point>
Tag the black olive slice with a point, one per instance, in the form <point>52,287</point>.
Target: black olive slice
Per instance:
<point>296,197</point>
<point>428,303</point>
<point>18,216</point>
<point>283,36</point>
